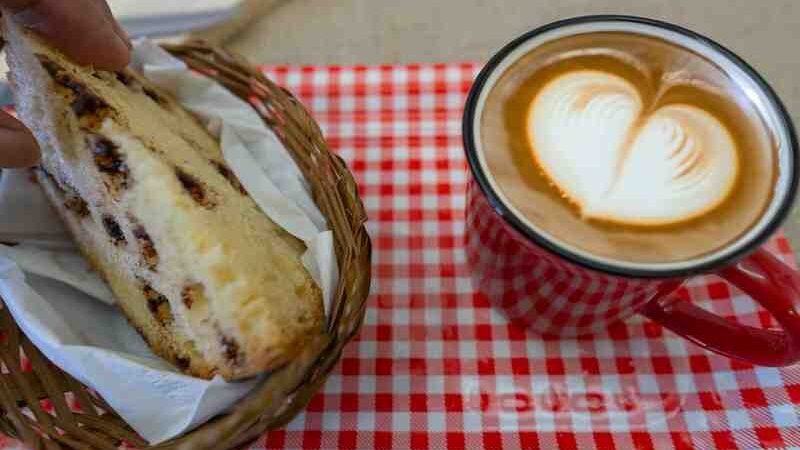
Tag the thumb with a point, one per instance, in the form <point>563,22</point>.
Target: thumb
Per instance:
<point>18,148</point>
<point>83,29</point>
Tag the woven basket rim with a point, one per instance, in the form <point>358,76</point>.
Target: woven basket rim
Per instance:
<point>285,393</point>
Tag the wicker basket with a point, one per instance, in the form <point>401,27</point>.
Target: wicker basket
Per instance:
<point>23,391</point>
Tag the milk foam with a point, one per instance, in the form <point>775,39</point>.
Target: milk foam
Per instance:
<point>591,134</point>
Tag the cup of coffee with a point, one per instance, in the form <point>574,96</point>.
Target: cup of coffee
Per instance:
<point>614,158</point>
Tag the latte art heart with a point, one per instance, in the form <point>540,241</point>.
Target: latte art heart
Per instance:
<point>589,133</point>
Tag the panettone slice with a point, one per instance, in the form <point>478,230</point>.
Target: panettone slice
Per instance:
<point>210,282</point>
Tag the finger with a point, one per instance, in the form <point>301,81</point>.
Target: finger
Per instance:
<point>82,29</point>
<point>19,5</point>
<point>18,148</point>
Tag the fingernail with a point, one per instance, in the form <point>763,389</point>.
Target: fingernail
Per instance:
<point>125,46</point>
<point>115,23</point>
<point>126,39</point>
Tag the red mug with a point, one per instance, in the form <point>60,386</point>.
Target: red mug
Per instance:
<point>553,290</point>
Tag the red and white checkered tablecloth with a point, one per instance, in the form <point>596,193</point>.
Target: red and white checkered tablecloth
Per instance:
<point>436,367</point>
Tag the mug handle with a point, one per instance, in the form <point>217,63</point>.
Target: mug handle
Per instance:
<point>770,283</point>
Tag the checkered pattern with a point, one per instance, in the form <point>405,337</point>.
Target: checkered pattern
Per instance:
<point>437,367</point>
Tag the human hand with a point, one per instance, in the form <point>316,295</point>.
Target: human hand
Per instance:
<point>84,30</point>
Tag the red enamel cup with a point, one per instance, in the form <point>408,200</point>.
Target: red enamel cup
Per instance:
<point>553,289</point>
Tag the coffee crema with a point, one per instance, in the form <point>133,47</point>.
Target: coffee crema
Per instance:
<point>628,147</point>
